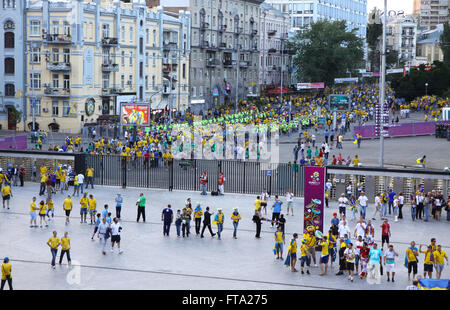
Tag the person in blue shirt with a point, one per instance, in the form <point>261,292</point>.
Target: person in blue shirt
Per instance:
<point>276,210</point>
<point>391,195</point>
<point>97,222</point>
<point>105,211</point>
<point>167,218</point>
<point>373,266</point>
<point>119,201</point>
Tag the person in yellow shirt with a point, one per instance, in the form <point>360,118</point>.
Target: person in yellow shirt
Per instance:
<point>75,186</point>
<point>84,201</point>
<point>235,218</point>
<point>62,180</point>
<point>279,241</point>
<point>50,208</point>
<point>53,243</point>
<point>6,194</point>
<point>292,252</point>
<point>258,203</point>
<point>355,161</point>
<point>439,256</point>
<point>33,210</point>
<point>67,205</point>
<point>92,208</point>
<point>6,274</point>
<point>44,177</point>
<point>304,258</point>
<point>65,248</point>
<point>198,213</point>
<point>90,177</point>
<point>428,262</point>
<point>42,213</point>
<point>311,245</point>
<point>324,255</point>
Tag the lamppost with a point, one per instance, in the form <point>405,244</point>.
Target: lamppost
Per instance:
<point>426,89</point>
<point>382,85</point>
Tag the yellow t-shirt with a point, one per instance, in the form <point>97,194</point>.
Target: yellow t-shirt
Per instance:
<point>198,214</point>
<point>54,242</point>
<point>75,180</point>
<point>427,257</point>
<point>50,204</point>
<point>303,250</point>
<point>62,176</point>
<point>325,247</point>
<point>43,178</point>
<point>32,206</point>
<point>257,204</point>
<point>65,243</point>
<point>42,209</point>
<point>279,237</point>
<point>293,246</point>
<point>439,257</point>
<point>90,172</point>
<point>67,204</point>
<point>43,169</point>
<point>84,202</point>
<point>92,204</point>
<point>6,270</point>
<point>6,190</point>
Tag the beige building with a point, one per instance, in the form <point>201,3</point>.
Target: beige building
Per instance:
<point>431,13</point>
<point>428,46</point>
<point>401,36</point>
<point>83,55</point>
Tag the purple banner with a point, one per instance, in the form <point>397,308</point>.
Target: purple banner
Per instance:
<point>14,142</point>
<point>400,130</point>
<point>314,198</point>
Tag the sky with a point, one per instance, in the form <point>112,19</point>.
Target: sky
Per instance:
<point>397,5</point>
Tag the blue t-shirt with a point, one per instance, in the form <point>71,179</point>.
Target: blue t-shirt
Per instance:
<point>119,202</point>
<point>335,221</point>
<point>391,196</point>
<point>277,207</point>
<point>105,213</point>
<point>375,255</point>
<point>167,214</point>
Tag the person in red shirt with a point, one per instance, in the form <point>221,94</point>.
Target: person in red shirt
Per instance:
<point>203,182</point>
<point>221,182</point>
<point>385,233</point>
<point>364,253</point>
<point>146,158</point>
<point>334,161</point>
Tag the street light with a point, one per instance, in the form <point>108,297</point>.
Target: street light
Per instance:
<point>426,89</point>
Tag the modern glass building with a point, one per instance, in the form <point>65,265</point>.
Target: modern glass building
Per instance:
<point>303,12</point>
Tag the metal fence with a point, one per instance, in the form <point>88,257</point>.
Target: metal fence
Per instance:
<point>243,177</point>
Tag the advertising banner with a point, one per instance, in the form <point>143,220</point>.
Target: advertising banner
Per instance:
<point>346,80</point>
<point>314,198</point>
<point>400,130</point>
<point>135,115</point>
<point>310,85</point>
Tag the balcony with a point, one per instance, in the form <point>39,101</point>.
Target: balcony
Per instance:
<point>170,45</point>
<point>109,42</point>
<point>110,67</point>
<point>204,25</point>
<point>58,66</point>
<point>170,61</point>
<point>228,63</point>
<point>204,44</point>
<point>110,91</point>
<point>166,90</point>
<point>57,38</point>
<point>238,30</point>
<point>212,63</point>
<point>57,92</point>
<point>222,28</point>
<point>244,64</point>
<point>223,45</point>
<point>272,51</point>
<point>253,32</point>
<point>271,32</point>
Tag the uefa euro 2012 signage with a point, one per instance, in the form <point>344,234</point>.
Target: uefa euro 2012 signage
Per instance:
<point>314,199</point>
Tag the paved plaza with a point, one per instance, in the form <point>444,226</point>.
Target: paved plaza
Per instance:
<point>152,261</point>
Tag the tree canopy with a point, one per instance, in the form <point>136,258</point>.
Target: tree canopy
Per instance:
<point>326,51</point>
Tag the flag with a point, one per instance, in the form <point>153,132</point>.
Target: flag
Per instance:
<point>356,140</point>
<point>434,284</point>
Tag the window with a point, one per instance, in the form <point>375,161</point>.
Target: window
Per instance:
<point>146,82</point>
<point>123,58</point>
<point>9,65</point>
<point>35,80</point>
<point>66,29</point>
<point>105,80</point>
<point>9,39</point>
<point>141,46</point>
<point>141,69</point>
<point>9,4</point>
<point>67,109</point>
<point>55,108</point>
<point>55,54</point>
<point>146,59</point>
<point>66,55</point>
<point>154,82</point>
<point>154,60</point>
<point>66,81</point>
<point>10,90</point>
<point>131,58</point>
<point>55,80</point>
<point>36,55</point>
<point>122,81</point>
<point>55,27</point>
<point>154,37</point>
<point>9,25</point>
<point>37,110</point>
<point>105,31</point>
<point>35,28</point>
<point>147,35</point>
<point>131,34</point>
<point>130,81</point>
<point>123,33</point>
<point>184,71</point>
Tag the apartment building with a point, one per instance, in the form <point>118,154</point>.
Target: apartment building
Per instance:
<point>11,64</point>
<point>431,13</point>
<point>428,46</point>
<point>401,34</point>
<point>82,55</point>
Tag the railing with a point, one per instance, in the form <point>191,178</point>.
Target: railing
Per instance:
<point>109,41</point>
<point>58,66</point>
<point>110,67</point>
<point>57,92</point>
<point>58,38</point>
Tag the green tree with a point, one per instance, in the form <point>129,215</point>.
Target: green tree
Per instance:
<point>444,43</point>
<point>326,51</point>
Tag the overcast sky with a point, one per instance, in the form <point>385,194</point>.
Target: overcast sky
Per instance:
<point>397,5</point>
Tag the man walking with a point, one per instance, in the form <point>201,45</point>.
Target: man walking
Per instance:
<point>235,217</point>
<point>141,208</point>
<point>65,248</point>
<point>90,177</point>
<point>363,204</point>
<point>207,223</point>
<point>53,243</point>
<point>119,201</point>
<point>257,220</point>
<point>373,267</point>
<point>276,210</point>
<point>6,274</point>
<point>389,262</point>
<point>221,183</point>
<point>219,220</point>
<point>167,218</point>
<point>116,228</point>
<point>198,213</point>
<point>203,182</point>
<point>103,233</point>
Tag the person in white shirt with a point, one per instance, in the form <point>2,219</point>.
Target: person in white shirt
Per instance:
<point>103,231</point>
<point>343,229</point>
<point>264,200</point>
<point>401,201</point>
<point>377,206</point>
<point>343,202</point>
<point>349,190</point>
<point>290,202</point>
<point>389,262</point>
<point>116,228</point>
<point>396,202</point>
<point>80,182</point>
<point>360,228</point>
<point>359,243</point>
<point>363,204</point>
